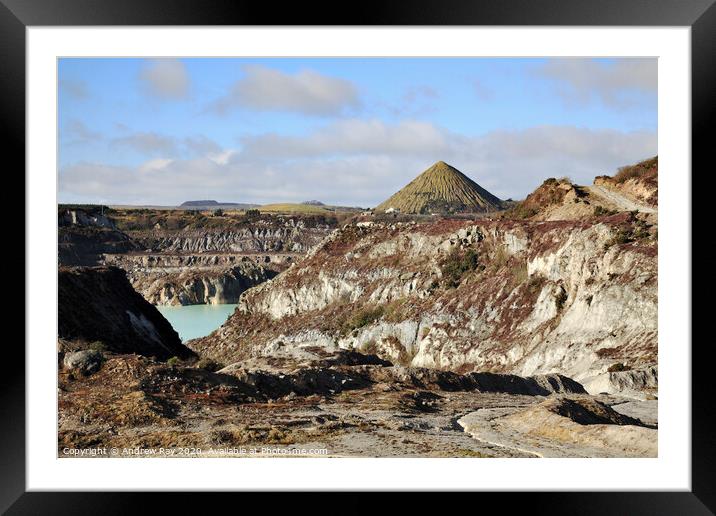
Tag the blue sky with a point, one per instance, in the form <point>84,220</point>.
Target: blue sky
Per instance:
<point>344,131</point>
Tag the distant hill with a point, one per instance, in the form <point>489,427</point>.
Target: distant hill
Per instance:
<point>313,203</point>
<point>201,203</point>
<point>212,204</point>
<point>441,189</point>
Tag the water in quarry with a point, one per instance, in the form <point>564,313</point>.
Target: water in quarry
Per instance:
<point>193,321</point>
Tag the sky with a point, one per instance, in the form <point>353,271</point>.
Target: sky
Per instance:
<point>343,131</point>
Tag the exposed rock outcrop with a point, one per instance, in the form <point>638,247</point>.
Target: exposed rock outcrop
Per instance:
<point>135,263</point>
<point>312,370</point>
<point>554,199</point>
<point>638,383</point>
<point>85,234</point>
<point>178,279</point>
<point>396,335</point>
<point>194,286</point>
<point>191,258</point>
<point>522,298</point>
<point>99,304</point>
<point>564,427</point>
<point>291,236</point>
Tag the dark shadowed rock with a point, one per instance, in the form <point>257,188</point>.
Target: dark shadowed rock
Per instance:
<point>324,371</point>
<point>420,401</point>
<point>87,361</point>
<point>540,385</point>
<point>589,412</point>
<point>99,304</point>
<point>302,382</point>
<point>425,378</point>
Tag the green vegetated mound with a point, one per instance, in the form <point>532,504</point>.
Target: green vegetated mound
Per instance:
<point>441,189</point>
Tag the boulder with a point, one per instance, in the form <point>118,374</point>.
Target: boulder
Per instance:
<point>86,362</point>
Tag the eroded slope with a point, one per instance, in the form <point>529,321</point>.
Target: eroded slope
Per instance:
<point>575,297</point>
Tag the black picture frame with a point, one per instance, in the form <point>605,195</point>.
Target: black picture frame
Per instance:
<point>700,15</point>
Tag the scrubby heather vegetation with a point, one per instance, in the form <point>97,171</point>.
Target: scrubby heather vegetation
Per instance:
<point>146,219</point>
<point>646,170</point>
<point>394,329</point>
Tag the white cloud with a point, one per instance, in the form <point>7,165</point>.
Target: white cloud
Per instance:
<point>415,101</point>
<point>154,144</point>
<point>351,137</point>
<point>146,143</point>
<point>166,78</point>
<point>201,145</point>
<point>307,92</point>
<point>222,157</point>
<point>155,164</point>
<point>361,162</point>
<point>620,83</point>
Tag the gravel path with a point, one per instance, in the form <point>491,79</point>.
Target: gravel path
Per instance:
<point>619,200</point>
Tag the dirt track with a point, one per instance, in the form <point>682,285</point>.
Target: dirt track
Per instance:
<point>619,200</point>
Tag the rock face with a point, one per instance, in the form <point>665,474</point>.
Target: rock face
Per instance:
<point>90,216</point>
<point>189,258</point>
<point>289,236</point>
<point>84,235</point>
<point>179,279</point>
<point>441,189</point>
<point>639,383</point>
<point>146,262</point>
<point>568,297</point>
<point>554,200</point>
<point>324,370</point>
<point>195,287</point>
<point>99,304</point>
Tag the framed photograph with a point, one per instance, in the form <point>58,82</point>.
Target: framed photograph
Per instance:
<point>397,250</point>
